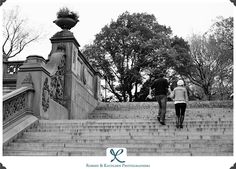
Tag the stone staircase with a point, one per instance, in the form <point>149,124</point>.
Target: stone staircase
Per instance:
<point>206,132</point>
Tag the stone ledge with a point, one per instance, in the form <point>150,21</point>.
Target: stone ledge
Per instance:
<point>16,129</point>
<point>16,92</point>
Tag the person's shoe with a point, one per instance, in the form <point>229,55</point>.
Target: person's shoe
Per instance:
<point>158,118</point>
<point>181,126</point>
<point>162,123</point>
<point>177,126</point>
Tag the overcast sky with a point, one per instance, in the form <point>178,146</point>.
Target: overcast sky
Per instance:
<point>183,16</point>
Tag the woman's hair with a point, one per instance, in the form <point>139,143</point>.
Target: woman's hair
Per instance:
<point>180,83</point>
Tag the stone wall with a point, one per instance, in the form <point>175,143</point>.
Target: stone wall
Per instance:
<point>83,86</point>
<point>57,111</point>
<point>83,101</point>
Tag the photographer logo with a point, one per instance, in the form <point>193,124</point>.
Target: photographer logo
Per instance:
<point>117,154</point>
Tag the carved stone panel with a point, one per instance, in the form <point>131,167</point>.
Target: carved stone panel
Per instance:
<point>11,107</point>
<point>27,80</point>
<point>84,75</point>
<point>57,83</point>
<point>45,95</point>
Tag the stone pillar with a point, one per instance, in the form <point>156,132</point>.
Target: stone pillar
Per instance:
<point>27,82</point>
<point>66,41</point>
<point>33,73</point>
<point>81,79</point>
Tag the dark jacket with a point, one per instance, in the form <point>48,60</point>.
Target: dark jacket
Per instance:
<point>160,86</point>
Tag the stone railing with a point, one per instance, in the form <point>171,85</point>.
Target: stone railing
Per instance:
<point>11,68</point>
<point>16,104</point>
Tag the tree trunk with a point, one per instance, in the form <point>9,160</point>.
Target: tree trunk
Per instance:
<point>136,91</point>
<point>124,96</point>
<point>207,92</point>
<point>4,57</point>
<point>130,95</point>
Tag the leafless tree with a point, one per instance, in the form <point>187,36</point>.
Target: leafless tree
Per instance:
<point>234,2</point>
<point>1,2</point>
<point>15,33</point>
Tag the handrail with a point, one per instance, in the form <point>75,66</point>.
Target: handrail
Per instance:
<point>16,92</point>
<point>16,104</point>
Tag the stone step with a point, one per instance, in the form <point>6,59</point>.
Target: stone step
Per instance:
<point>181,154</point>
<point>53,153</point>
<point>152,113</point>
<point>150,129</point>
<point>153,154</point>
<point>71,150</point>
<point>142,128</point>
<point>123,134</point>
<point>128,139</point>
<point>201,112</point>
<point>130,126</point>
<point>143,148</point>
<point>128,123</point>
<point>81,123</point>
<point>161,145</point>
<point>131,120</point>
<point>143,105</point>
<point>123,141</point>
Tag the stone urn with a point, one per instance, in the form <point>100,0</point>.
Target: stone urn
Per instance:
<point>65,23</point>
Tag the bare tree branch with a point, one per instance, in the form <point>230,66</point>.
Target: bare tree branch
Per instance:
<point>17,37</point>
<point>23,46</point>
<point>1,2</point>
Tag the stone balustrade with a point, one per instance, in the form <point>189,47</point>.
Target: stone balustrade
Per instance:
<point>16,104</point>
<point>10,70</point>
<point>11,67</point>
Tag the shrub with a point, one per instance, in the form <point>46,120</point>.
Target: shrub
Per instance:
<point>65,12</point>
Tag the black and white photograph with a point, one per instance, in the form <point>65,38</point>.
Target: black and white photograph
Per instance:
<point>117,84</point>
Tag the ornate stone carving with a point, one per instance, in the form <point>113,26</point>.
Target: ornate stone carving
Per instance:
<point>84,76</point>
<point>45,95</point>
<point>27,80</point>
<point>57,83</point>
<point>61,47</point>
<point>14,106</point>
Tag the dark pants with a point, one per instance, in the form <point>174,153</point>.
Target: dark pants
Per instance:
<point>180,109</point>
<point>180,112</point>
<point>162,99</point>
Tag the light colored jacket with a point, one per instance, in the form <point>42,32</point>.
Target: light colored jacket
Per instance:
<point>180,95</point>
